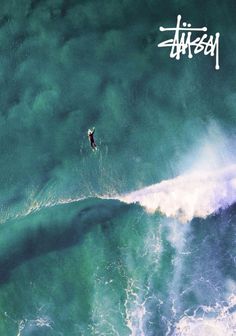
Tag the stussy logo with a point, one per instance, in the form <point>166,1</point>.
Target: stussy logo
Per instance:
<point>182,43</point>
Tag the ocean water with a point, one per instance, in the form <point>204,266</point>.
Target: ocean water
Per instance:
<point>139,237</point>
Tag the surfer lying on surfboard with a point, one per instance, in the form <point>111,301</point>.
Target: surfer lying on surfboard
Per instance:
<point>91,138</point>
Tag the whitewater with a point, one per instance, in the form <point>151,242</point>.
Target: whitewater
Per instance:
<point>196,194</point>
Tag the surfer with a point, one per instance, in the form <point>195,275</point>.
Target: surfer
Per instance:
<point>91,138</point>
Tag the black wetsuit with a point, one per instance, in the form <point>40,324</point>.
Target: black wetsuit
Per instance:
<point>91,139</point>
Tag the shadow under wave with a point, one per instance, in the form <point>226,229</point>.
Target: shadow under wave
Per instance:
<point>51,229</point>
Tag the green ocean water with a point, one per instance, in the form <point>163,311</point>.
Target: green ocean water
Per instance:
<point>73,262</point>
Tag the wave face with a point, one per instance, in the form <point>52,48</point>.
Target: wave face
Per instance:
<point>198,194</point>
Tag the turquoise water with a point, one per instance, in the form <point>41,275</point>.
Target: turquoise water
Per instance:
<point>74,258</point>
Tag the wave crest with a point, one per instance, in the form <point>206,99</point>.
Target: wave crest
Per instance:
<point>196,194</point>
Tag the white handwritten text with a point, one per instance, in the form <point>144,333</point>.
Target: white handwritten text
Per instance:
<point>183,44</point>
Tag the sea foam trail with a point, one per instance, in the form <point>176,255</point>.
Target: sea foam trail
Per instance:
<point>196,194</point>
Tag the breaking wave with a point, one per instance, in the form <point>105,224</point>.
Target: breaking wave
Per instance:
<point>197,194</point>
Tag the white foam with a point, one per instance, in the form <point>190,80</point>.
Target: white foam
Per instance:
<point>28,326</point>
<point>223,323</point>
<point>196,194</point>
<point>135,310</point>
